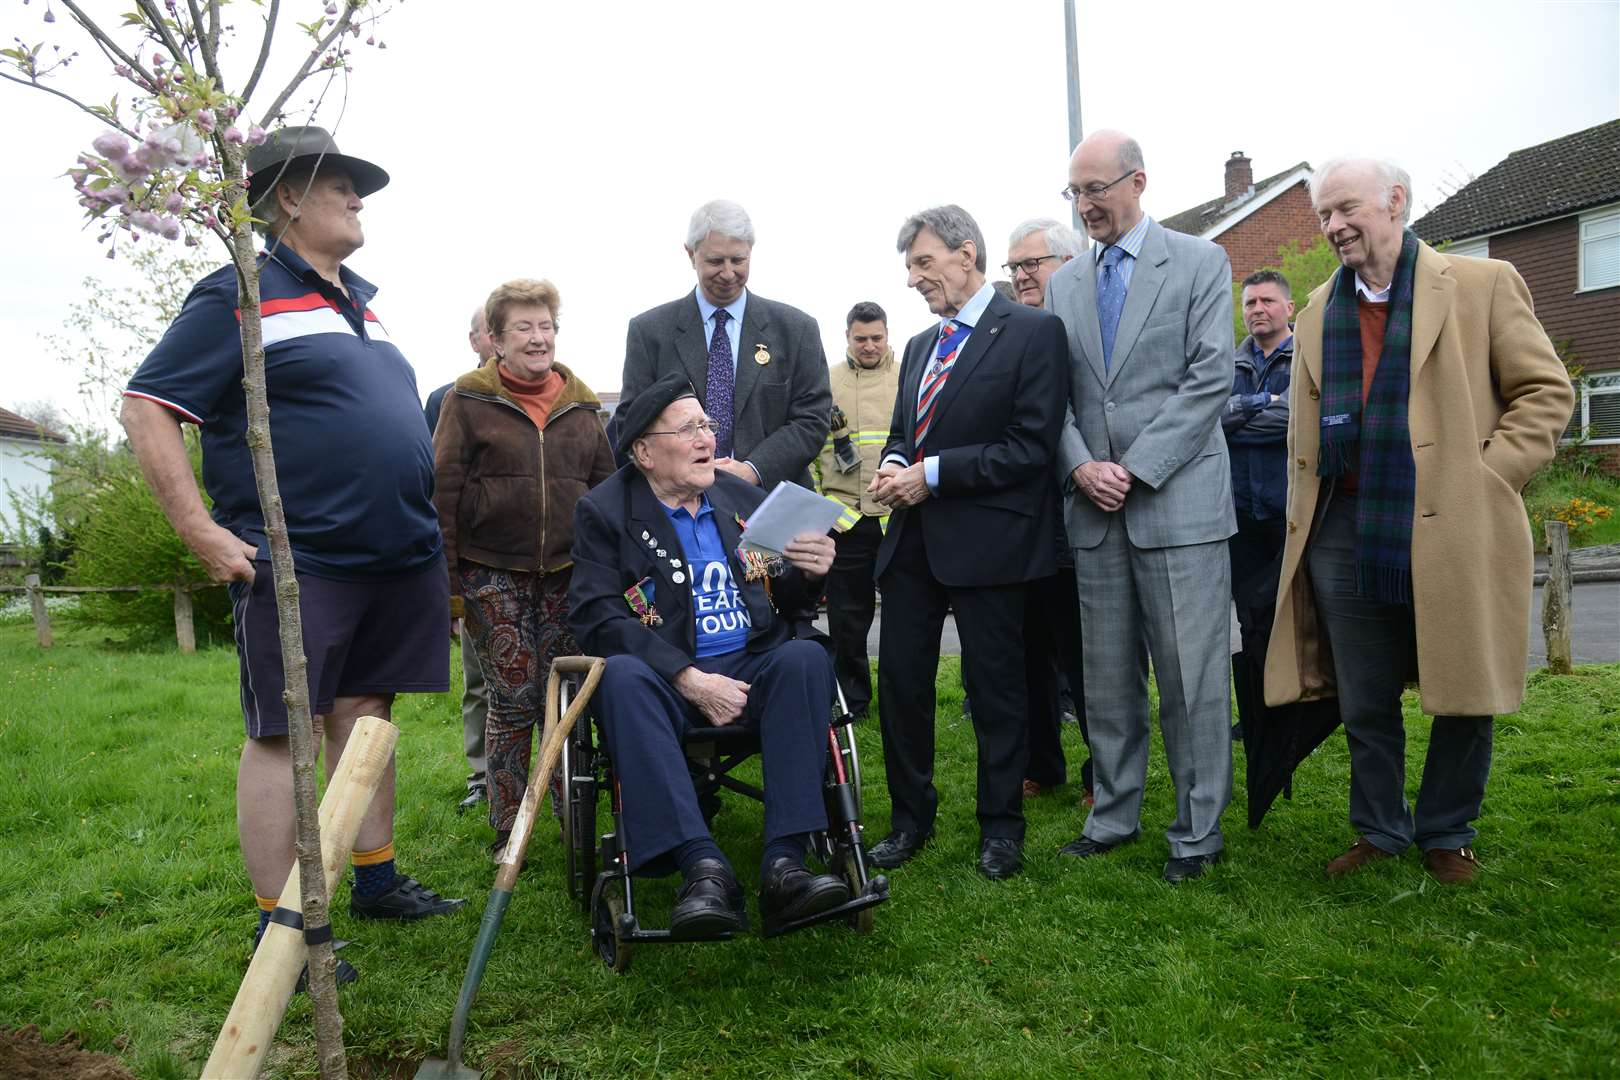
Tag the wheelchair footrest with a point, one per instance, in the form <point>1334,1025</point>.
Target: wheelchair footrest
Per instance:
<point>877,891</point>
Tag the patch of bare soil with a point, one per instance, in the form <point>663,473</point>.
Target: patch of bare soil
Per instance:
<point>25,1056</point>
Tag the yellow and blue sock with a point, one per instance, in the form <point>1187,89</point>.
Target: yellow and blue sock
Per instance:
<point>374,870</point>
<point>267,904</point>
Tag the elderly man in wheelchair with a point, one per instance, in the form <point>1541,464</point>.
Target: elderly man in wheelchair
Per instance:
<point>699,635</point>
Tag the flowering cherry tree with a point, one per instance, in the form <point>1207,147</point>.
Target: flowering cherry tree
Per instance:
<point>169,164</point>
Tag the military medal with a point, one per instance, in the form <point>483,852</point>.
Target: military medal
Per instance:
<point>639,597</point>
<point>762,355</point>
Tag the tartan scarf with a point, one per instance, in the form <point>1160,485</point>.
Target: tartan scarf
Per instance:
<point>1373,436</point>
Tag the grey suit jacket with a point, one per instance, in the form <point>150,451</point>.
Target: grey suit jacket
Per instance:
<point>1157,409</point>
<point>783,406</point>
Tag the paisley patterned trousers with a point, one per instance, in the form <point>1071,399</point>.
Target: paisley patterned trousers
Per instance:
<point>519,624</point>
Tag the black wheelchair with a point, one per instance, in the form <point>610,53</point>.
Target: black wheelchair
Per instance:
<point>597,866</point>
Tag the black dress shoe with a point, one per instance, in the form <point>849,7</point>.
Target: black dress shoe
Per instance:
<point>1193,866</point>
<point>405,900</point>
<point>709,902</point>
<point>1000,858</point>
<point>897,848</point>
<point>476,793</point>
<point>789,892</point>
<point>1082,847</point>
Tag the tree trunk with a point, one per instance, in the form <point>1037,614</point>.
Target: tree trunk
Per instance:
<point>322,962</point>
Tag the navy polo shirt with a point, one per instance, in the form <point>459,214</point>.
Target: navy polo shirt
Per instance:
<point>720,617</point>
<point>353,455</point>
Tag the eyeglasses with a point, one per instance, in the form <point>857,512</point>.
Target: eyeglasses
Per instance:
<point>1093,192</point>
<point>524,329</point>
<point>1028,266</point>
<point>689,431</point>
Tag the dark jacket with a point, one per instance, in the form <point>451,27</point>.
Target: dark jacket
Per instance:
<point>995,430</point>
<point>619,528</point>
<point>781,402</point>
<point>506,490</point>
<point>1257,430</point>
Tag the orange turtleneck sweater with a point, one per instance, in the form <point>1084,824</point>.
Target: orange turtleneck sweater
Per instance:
<point>536,397</point>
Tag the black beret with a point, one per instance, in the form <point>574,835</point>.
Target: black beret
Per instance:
<point>645,407</point>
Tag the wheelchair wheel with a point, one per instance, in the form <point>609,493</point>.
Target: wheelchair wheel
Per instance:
<point>860,921</point>
<point>607,904</point>
<point>579,813</point>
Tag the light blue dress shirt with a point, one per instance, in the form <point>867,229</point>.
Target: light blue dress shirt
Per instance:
<point>1130,244</point>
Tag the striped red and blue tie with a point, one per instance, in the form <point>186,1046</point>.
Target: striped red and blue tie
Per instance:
<point>951,334</point>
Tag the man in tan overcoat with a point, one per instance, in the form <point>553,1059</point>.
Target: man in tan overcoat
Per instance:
<point>1424,396</point>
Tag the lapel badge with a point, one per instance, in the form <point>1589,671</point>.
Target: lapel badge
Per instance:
<point>651,542</point>
<point>678,577</point>
<point>994,330</point>
<point>661,553</point>
<point>676,563</point>
<point>645,535</point>
<point>762,355</point>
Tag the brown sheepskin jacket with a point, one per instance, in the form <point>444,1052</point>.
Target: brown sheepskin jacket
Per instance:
<point>506,490</point>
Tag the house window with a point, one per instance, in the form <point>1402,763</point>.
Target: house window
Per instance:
<point>1600,249</point>
<point>1597,412</point>
<point>1479,248</point>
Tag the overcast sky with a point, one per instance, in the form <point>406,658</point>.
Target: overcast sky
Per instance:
<point>573,141</point>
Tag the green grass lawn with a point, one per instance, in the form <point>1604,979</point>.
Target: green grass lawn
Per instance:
<point>125,916</point>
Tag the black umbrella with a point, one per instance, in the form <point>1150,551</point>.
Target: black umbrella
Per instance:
<point>1275,740</point>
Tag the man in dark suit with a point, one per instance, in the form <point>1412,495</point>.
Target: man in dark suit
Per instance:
<point>757,366</point>
<point>693,637</point>
<point>966,472</point>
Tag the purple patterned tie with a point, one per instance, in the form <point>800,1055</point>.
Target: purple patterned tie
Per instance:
<point>722,380</point>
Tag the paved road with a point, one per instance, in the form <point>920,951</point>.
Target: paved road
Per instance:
<point>1596,635</point>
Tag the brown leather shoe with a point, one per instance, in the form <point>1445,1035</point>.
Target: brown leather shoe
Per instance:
<point>1362,852</point>
<point>1451,866</point>
<point>1034,788</point>
<point>1088,799</point>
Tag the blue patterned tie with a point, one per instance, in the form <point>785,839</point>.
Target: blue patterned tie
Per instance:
<point>722,381</point>
<point>1110,300</point>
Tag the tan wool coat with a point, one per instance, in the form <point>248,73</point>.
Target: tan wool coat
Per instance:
<point>1488,400</point>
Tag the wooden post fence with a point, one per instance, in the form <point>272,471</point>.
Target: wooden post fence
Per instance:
<point>1556,610</point>
<point>185,630</point>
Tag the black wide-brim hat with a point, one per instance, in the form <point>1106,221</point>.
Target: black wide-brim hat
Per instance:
<point>646,406</point>
<point>292,148</point>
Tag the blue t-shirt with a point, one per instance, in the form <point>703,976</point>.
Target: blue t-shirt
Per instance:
<point>353,455</point>
<point>720,617</point>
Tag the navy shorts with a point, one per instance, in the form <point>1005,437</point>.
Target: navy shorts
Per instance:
<point>360,637</point>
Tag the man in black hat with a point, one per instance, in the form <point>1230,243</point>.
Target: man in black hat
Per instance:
<point>697,635</point>
<point>355,467</point>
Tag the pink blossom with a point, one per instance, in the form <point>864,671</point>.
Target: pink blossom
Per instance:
<point>146,219</point>
<point>50,16</point>
<point>234,136</point>
<point>115,193</point>
<point>132,169</point>
<point>169,229</point>
<point>255,135</point>
<point>331,9</point>
<point>111,144</point>
<point>174,203</point>
<point>205,121</point>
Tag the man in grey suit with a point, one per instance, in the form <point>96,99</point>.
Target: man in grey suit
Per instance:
<point>757,365</point>
<point>1149,507</point>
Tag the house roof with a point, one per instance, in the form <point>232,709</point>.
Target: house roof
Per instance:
<point>1550,180</point>
<point>1210,218</point>
<point>13,426</point>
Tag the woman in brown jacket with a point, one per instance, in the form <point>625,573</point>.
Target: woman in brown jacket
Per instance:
<point>518,442</point>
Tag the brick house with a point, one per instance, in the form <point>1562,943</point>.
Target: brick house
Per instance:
<point>1553,211</point>
<point>1253,220</point>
